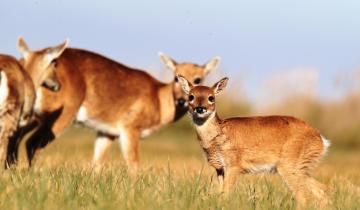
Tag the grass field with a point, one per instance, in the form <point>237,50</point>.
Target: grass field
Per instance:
<point>174,175</point>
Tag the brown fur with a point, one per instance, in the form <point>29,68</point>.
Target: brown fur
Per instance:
<point>41,73</point>
<point>111,98</point>
<point>254,144</point>
<point>18,99</point>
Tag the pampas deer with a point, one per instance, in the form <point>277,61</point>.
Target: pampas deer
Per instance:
<point>113,99</point>
<point>17,96</point>
<point>254,144</point>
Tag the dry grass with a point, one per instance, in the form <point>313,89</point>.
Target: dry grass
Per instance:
<point>174,175</point>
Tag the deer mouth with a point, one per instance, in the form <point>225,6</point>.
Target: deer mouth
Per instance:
<point>200,113</point>
<point>199,118</point>
<point>180,111</point>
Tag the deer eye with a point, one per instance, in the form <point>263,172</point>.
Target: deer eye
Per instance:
<point>191,98</point>
<point>211,99</point>
<point>176,79</point>
<point>197,81</point>
<point>54,63</point>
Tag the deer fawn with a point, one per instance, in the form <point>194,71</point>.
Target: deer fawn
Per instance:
<point>113,99</point>
<point>17,96</point>
<point>254,144</point>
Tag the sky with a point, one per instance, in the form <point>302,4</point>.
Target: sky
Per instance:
<point>310,42</point>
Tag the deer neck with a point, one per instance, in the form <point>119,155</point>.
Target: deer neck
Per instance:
<point>169,110</point>
<point>167,104</point>
<point>209,130</point>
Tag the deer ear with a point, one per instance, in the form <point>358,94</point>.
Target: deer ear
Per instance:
<point>169,63</point>
<point>219,86</point>
<point>23,48</point>
<point>54,52</point>
<point>212,64</point>
<point>185,85</point>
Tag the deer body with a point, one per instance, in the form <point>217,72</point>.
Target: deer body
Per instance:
<point>107,97</point>
<point>17,96</point>
<point>113,99</point>
<point>107,100</point>
<point>233,146</point>
<point>236,142</point>
<point>101,94</point>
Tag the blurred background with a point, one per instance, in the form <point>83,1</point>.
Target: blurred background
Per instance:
<point>298,58</point>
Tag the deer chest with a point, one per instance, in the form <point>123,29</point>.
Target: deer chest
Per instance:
<point>214,152</point>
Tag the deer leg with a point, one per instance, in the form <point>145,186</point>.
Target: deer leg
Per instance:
<point>220,177</point>
<point>297,184</point>
<point>309,161</point>
<point>129,141</point>
<point>52,124</point>
<point>295,179</point>
<point>39,139</point>
<point>5,133</point>
<point>231,174</point>
<point>14,142</point>
<point>8,126</point>
<point>102,145</point>
<point>4,141</point>
<point>319,190</point>
<point>296,168</point>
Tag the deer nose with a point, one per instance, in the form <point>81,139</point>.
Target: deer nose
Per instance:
<point>200,110</point>
<point>181,102</point>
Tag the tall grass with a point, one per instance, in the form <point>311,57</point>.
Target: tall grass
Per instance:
<point>173,175</point>
<point>70,187</point>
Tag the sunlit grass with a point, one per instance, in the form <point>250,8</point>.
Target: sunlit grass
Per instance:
<point>173,175</point>
<point>74,187</point>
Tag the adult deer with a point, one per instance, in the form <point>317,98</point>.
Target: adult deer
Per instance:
<point>113,99</point>
<point>17,96</point>
<point>239,145</point>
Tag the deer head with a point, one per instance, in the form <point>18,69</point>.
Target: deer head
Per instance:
<point>201,98</point>
<point>41,64</point>
<point>192,72</point>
